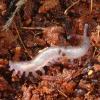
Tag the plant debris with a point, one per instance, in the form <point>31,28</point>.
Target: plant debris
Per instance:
<point>28,27</point>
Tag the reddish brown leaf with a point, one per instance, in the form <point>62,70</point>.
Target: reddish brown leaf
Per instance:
<point>69,86</point>
<point>54,35</point>
<point>4,85</point>
<point>17,54</point>
<point>96,67</point>
<point>48,5</point>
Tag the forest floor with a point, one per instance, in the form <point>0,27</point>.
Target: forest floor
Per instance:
<point>28,26</point>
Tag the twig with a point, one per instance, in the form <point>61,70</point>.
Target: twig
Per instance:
<point>62,93</point>
<point>98,32</point>
<point>22,42</point>
<point>33,28</point>
<point>94,51</point>
<point>91,7</point>
<point>19,4</point>
<point>97,55</point>
<point>66,11</point>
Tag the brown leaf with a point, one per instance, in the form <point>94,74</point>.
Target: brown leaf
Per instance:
<point>54,35</point>
<point>46,90</point>
<point>69,86</point>
<point>26,92</point>
<point>17,54</point>
<point>35,97</point>
<point>95,39</point>
<point>98,58</point>
<point>3,7</point>
<point>28,9</point>
<point>88,86</point>
<point>58,79</point>
<point>96,67</point>
<point>48,5</point>
<point>70,74</point>
<point>3,62</point>
<point>4,85</point>
<point>6,39</point>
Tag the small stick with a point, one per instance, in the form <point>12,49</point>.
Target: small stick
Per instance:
<point>33,28</point>
<point>62,93</point>
<point>19,4</point>
<point>97,55</point>
<point>98,32</point>
<point>22,42</point>
<point>94,52</point>
<point>91,7</point>
<point>66,11</point>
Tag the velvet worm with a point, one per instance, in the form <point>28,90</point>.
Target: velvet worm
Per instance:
<point>51,55</point>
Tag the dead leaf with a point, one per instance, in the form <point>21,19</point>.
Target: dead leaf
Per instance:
<point>4,85</point>
<point>48,5</point>
<point>96,67</point>
<point>53,35</point>
<point>17,55</point>
<point>3,62</point>
<point>6,39</point>
<point>28,10</point>
<point>69,86</point>
<point>3,7</point>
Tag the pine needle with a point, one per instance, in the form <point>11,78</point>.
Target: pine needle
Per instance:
<point>19,4</point>
<point>66,11</point>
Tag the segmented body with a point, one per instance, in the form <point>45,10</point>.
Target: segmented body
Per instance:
<point>51,55</point>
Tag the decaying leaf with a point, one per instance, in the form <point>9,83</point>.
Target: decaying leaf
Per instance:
<point>96,67</point>
<point>28,10</point>
<point>26,92</point>
<point>3,7</point>
<point>48,5</point>
<point>88,86</point>
<point>6,39</point>
<point>98,59</point>
<point>18,51</point>
<point>95,37</point>
<point>4,85</point>
<point>3,62</point>
<point>69,86</point>
<point>54,35</point>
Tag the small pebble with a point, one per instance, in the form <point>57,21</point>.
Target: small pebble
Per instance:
<point>90,72</point>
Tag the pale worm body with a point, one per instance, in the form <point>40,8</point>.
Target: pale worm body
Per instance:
<point>51,55</point>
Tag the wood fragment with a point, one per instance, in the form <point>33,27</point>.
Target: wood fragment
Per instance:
<point>91,7</point>
<point>66,11</point>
